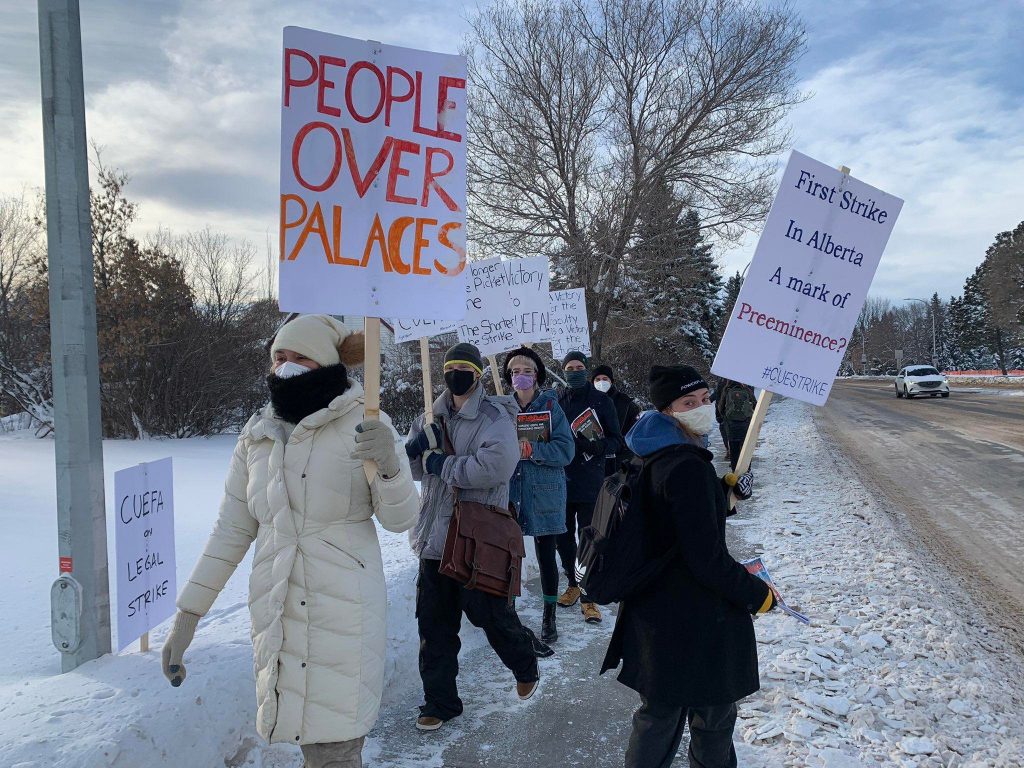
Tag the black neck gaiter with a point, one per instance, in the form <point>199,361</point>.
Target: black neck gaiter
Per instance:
<point>297,397</point>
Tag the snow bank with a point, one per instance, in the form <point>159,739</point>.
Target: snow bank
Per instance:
<point>119,710</point>
<point>896,669</point>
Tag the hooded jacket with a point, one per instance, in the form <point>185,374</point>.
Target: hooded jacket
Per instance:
<point>483,434</point>
<point>688,639</point>
<point>538,486</point>
<point>316,593</point>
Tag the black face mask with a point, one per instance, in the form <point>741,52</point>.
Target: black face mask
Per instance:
<point>577,379</point>
<point>459,382</point>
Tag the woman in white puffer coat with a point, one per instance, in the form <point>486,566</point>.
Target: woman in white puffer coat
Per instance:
<point>317,597</point>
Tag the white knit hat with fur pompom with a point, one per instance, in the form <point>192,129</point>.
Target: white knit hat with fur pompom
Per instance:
<point>322,339</point>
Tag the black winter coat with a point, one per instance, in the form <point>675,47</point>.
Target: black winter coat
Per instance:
<point>628,412</point>
<point>688,639</point>
<point>584,476</point>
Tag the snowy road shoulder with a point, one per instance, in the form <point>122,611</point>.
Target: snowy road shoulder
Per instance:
<point>895,669</point>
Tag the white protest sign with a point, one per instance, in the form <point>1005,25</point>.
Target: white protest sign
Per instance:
<point>506,304</point>
<point>411,330</point>
<point>373,178</point>
<point>570,329</point>
<point>807,282</point>
<point>144,536</point>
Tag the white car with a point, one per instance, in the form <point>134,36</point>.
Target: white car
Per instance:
<point>921,380</point>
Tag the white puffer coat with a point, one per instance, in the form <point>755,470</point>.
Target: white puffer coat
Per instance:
<point>316,594</point>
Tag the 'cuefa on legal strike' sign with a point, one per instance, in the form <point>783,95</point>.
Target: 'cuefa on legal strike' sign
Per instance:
<point>373,178</point>
<point>809,277</point>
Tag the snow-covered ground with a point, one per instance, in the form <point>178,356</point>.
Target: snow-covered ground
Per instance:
<point>895,670</point>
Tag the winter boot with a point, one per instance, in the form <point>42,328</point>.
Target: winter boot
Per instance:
<point>570,596</point>
<point>338,754</point>
<point>591,614</point>
<point>548,630</point>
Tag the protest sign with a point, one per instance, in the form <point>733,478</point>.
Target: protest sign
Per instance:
<point>569,328</point>
<point>412,330</point>
<point>144,538</point>
<point>373,178</point>
<point>506,304</point>
<point>809,277</point>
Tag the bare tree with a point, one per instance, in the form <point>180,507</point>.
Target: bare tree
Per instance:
<point>218,270</point>
<point>580,108</point>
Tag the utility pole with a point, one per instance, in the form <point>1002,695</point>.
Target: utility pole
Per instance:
<point>80,598</point>
<point>931,311</point>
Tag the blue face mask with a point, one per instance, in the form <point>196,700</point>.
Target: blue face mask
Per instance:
<point>576,379</point>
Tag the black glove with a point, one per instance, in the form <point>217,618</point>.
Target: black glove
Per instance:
<point>588,446</point>
<point>427,440</point>
<point>742,486</point>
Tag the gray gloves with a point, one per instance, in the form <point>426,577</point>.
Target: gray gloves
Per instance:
<point>376,442</point>
<point>178,640</point>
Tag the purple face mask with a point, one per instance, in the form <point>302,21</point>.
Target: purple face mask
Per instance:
<point>523,382</point>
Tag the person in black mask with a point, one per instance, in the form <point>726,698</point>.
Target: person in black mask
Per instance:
<point>596,435</point>
<point>627,411</point>
<point>471,445</point>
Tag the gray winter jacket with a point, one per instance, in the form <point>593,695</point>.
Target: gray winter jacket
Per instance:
<point>483,434</point>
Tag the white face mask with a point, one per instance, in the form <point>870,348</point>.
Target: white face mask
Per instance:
<point>602,386</point>
<point>288,369</point>
<point>700,420</point>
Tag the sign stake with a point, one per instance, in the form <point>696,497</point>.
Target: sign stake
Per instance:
<point>428,387</point>
<point>494,374</point>
<point>371,381</point>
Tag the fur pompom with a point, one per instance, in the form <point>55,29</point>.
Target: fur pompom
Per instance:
<point>353,350</point>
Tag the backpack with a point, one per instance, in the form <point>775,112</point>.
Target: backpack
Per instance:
<point>739,404</point>
<point>612,561</point>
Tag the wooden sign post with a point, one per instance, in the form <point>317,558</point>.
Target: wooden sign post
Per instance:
<point>428,388</point>
<point>371,381</point>
<point>492,359</point>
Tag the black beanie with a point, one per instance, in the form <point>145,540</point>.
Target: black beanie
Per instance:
<point>528,353</point>
<point>668,382</point>
<point>575,355</point>
<point>465,353</point>
<point>603,370</point>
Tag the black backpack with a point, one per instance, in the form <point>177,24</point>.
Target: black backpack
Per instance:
<point>613,561</point>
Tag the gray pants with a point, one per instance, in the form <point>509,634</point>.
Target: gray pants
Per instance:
<point>658,730</point>
<point>337,754</point>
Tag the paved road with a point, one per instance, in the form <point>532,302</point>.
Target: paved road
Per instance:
<point>953,470</point>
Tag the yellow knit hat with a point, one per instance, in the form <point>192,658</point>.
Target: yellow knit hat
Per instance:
<point>322,339</point>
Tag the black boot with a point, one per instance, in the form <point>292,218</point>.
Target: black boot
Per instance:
<point>548,630</point>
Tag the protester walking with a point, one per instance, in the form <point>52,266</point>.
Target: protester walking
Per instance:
<point>628,412</point>
<point>734,408</point>
<point>596,435</point>
<point>296,486</point>
<point>537,490</point>
<point>685,641</point>
<point>470,447</point>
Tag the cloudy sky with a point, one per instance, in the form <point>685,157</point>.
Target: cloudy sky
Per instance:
<point>923,99</point>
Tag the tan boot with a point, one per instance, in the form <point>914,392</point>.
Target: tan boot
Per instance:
<point>570,596</point>
<point>526,690</point>
<point>591,614</point>
<point>425,723</point>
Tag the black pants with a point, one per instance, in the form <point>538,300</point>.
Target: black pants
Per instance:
<point>440,603</point>
<point>737,432</point>
<point>578,515</point>
<point>658,729</point>
<point>545,547</point>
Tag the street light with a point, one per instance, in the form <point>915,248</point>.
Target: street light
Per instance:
<point>935,351</point>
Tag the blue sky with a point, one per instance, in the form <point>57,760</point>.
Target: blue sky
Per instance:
<point>921,99</point>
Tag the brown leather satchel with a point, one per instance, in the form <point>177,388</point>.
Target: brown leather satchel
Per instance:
<point>484,547</point>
